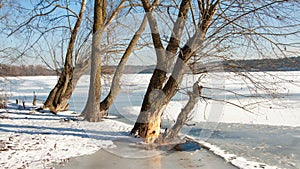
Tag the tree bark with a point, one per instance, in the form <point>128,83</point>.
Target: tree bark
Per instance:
<point>91,111</point>
<point>59,96</point>
<point>149,122</point>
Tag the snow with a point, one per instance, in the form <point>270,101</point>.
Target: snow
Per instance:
<point>240,162</point>
<point>30,139</point>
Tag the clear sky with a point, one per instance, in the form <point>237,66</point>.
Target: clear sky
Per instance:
<point>55,43</point>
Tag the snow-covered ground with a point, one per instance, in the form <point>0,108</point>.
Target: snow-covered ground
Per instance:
<point>30,139</point>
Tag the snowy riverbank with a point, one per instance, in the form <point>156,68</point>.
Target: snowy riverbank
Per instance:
<point>264,138</point>
<point>30,139</point>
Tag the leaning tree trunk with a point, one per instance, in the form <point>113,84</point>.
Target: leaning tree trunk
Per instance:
<point>164,62</point>
<point>148,123</point>
<point>64,99</point>
<point>172,133</point>
<point>115,86</point>
<point>61,93</point>
<point>91,111</point>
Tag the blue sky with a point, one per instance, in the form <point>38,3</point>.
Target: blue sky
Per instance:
<point>147,56</point>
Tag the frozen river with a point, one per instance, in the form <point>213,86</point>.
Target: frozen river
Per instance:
<point>274,145</point>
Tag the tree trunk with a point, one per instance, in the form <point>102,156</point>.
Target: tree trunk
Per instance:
<point>61,93</point>
<point>155,85</point>
<point>115,86</point>
<point>147,123</point>
<point>34,99</point>
<point>59,96</point>
<point>183,115</point>
<point>91,111</point>
<point>164,63</point>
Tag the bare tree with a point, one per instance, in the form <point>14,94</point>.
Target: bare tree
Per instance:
<point>92,111</point>
<point>70,65</point>
<point>47,24</point>
<point>152,111</point>
<point>219,30</point>
<point>60,94</point>
<point>72,60</point>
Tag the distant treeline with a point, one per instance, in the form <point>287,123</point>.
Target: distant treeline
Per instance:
<point>25,70</point>
<point>285,64</point>
<point>39,70</point>
<point>254,65</point>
